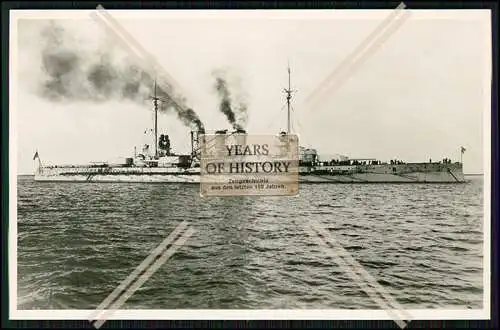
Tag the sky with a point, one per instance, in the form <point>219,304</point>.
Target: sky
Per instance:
<point>422,94</point>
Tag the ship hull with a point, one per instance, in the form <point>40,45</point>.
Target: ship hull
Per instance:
<point>313,179</point>
<point>424,173</point>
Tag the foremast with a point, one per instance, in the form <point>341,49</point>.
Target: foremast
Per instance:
<point>288,92</point>
<point>155,104</point>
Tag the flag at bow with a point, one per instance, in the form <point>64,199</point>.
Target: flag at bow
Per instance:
<point>36,155</point>
<point>462,149</point>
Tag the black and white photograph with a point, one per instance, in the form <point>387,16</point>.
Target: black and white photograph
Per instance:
<point>384,213</point>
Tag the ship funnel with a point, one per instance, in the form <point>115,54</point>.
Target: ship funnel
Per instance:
<point>240,136</point>
<point>220,142</point>
<point>197,143</point>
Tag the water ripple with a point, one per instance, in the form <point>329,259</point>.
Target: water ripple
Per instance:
<point>77,242</point>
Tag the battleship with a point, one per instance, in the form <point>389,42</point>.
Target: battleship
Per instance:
<point>156,163</point>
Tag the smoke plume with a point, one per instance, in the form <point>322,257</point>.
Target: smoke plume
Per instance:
<point>74,74</point>
<point>237,116</point>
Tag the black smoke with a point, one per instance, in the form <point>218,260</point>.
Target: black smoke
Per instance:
<point>225,100</point>
<point>72,74</point>
<point>236,116</point>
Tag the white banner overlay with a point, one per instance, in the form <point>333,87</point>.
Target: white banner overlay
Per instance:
<point>101,314</point>
<point>360,54</point>
<point>359,275</point>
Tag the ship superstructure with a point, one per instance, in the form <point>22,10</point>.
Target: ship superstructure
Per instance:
<point>157,163</point>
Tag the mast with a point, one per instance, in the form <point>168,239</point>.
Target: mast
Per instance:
<point>288,92</point>
<point>155,102</point>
